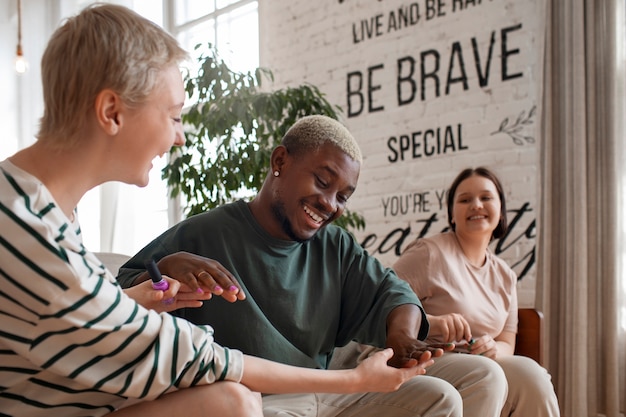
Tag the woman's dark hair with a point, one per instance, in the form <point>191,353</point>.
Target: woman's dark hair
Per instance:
<point>500,230</point>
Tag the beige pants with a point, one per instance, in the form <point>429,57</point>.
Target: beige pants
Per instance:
<point>420,397</point>
<point>531,392</point>
<point>527,387</point>
<point>480,381</point>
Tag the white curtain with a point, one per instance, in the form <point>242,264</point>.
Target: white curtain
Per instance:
<point>581,226</point>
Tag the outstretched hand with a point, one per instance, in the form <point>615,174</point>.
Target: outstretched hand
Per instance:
<point>376,375</point>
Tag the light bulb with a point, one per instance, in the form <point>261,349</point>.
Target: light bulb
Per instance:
<point>21,65</point>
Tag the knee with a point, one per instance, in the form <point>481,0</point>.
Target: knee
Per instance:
<point>481,371</point>
<point>493,372</point>
<point>244,402</point>
<point>483,380</point>
<point>451,400</point>
<point>224,399</point>
<point>525,372</point>
<point>440,397</point>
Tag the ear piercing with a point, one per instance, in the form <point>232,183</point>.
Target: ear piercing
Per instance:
<point>276,173</point>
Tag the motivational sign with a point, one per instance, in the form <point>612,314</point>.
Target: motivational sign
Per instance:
<point>428,88</point>
<point>434,73</point>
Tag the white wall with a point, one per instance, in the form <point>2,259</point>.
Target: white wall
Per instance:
<point>400,195</point>
<point>21,98</point>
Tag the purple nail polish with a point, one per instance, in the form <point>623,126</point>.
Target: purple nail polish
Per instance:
<point>217,288</point>
<point>232,288</point>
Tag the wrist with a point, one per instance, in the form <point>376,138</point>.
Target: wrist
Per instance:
<point>404,321</point>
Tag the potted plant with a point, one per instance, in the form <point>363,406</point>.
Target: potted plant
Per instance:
<point>231,129</point>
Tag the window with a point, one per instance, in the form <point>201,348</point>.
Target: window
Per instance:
<point>232,26</point>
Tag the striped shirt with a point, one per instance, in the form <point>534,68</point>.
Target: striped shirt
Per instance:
<point>71,342</point>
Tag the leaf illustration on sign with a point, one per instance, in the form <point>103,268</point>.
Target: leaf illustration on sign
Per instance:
<point>515,129</point>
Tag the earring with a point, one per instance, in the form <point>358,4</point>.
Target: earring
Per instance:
<point>276,173</point>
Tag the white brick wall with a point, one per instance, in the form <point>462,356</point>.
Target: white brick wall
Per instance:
<point>321,42</point>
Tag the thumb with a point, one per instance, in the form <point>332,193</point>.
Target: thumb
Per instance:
<point>386,353</point>
<point>156,295</point>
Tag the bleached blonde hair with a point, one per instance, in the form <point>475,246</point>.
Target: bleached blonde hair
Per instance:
<point>104,46</point>
<point>312,132</point>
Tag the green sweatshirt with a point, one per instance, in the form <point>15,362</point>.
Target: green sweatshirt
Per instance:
<point>303,299</point>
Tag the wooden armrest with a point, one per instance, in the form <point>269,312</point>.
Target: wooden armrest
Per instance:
<point>529,341</point>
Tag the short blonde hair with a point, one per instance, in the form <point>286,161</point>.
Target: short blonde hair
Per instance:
<point>311,132</point>
<point>104,46</point>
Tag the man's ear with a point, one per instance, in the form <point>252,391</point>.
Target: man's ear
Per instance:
<point>108,106</point>
<point>278,158</point>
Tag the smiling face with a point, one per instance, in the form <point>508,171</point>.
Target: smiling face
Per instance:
<point>476,206</point>
<point>151,129</point>
<point>311,191</point>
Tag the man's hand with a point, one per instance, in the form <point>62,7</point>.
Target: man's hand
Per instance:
<point>403,324</point>
<point>200,273</point>
<point>409,352</point>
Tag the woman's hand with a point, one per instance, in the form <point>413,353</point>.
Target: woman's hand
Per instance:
<point>180,294</point>
<point>502,345</point>
<point>375,375</point>
<point>484,346</point>
<point>449,328</point>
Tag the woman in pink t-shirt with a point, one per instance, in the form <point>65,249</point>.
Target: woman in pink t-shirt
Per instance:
<point>470,294</point>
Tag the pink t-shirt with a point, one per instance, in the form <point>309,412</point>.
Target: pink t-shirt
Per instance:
<point>445,282</point>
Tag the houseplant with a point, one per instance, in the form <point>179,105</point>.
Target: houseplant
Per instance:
<point>231,128</point>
